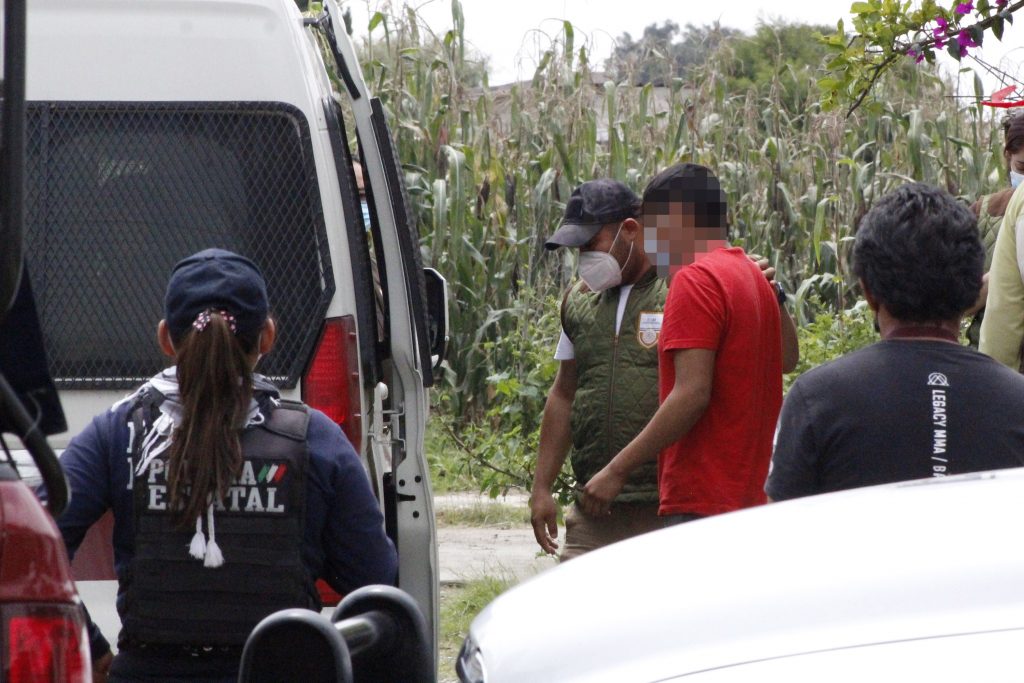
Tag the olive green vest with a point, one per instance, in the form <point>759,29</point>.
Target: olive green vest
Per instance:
<point>617,377</point>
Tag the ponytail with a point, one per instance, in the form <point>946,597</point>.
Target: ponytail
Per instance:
<point>215,382</point>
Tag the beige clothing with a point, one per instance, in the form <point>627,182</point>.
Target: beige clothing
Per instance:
<point>584,533</point>
<point>1002,330</point>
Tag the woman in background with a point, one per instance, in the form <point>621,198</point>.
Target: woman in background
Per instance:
<point>991,208</point>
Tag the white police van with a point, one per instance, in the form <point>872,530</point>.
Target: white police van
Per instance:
<point>156,128</point>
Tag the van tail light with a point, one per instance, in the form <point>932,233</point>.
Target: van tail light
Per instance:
<point>332,385</point>
<point>332,382</point>
<point>45,643</point>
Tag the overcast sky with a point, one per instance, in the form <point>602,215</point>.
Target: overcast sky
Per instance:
<point>507,31</point>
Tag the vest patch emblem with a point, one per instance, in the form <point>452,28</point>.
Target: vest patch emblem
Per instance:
<point>259,487</point>
<point>648,329</point>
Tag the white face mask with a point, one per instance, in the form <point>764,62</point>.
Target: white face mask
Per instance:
<point>599,270</point>
<point>1015,178</point>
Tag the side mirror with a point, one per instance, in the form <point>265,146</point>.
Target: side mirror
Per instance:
<point>437,317</point>
<point>295,645</point>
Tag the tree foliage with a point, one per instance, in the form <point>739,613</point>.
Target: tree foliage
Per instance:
<point>890,32</point>
<point>664,52</point>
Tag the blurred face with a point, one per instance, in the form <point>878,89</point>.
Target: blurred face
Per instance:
<point>672,237</point>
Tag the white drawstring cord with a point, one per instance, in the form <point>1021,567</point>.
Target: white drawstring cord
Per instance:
<point>197,548</point>
<point>206,550</point>
<point>214,558</point>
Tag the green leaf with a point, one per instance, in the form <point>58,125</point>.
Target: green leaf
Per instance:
<point>375,21</point>
<point>977,34</point>
<point>997,28</point>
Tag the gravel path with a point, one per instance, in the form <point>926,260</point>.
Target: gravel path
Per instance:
<point>468,552</point>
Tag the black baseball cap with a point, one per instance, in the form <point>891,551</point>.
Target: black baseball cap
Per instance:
<point>220,280</point>
<point>593,204</point>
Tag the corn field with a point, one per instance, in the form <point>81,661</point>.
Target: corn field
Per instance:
<point>489,169</point>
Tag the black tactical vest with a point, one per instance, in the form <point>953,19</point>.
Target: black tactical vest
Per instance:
<point>172,598</point>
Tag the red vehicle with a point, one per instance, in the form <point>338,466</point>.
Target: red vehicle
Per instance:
<point>43,635</point>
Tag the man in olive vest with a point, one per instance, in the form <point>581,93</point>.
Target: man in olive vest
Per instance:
<point>606,388</point>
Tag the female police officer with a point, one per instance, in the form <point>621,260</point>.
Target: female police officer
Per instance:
<point>228,502</point>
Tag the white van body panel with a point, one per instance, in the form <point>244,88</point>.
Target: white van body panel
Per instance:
<point>250,51</point>
<point>168,50</point>
<point>186,51</point>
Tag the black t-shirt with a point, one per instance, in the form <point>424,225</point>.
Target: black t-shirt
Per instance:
<point>897,410</point>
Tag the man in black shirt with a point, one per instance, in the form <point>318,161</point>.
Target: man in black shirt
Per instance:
<point>916,404</point>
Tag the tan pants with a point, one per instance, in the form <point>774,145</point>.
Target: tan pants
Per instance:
<point>584,533</point>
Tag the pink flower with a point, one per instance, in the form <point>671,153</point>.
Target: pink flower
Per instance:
<point>917,56</point>
<point>965,41</point>
<point>940,31</point>
<point>965,7</point>
<point>1001,3</point>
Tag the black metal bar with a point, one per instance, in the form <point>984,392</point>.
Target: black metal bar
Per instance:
<point>12,413</point>
<point>367,632</point>
<point>12,191</point>
<point>326,23</point>
<point>407,233</point>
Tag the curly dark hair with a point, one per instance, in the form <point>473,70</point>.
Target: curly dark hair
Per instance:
<point>918,253</point>
<point>690,184</point>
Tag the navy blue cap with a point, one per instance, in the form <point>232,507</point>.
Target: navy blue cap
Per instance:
<point>593,204</point>
<point>217,279</point>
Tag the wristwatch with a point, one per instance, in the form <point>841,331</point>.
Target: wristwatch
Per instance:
<point>780,293</point>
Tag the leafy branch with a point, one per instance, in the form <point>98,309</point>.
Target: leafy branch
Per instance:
<point>887,30</point>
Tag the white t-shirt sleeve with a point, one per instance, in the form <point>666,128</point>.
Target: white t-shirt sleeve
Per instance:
<point>565,349</point>
<point>623,298</point>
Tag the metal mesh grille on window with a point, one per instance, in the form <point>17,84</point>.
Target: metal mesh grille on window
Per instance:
<point>116,195</point>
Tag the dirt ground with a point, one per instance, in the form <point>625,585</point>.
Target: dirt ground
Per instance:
<point>468,552</point>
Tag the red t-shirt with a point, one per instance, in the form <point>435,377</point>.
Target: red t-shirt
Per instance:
<point>722,302</point>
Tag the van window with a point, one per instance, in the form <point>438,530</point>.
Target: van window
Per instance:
<point>117,194</point>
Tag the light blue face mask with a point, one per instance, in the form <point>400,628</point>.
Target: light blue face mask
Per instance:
<point>1015,178</point>
<point>366,213</point>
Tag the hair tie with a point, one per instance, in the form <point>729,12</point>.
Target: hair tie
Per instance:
<point>203,319</point>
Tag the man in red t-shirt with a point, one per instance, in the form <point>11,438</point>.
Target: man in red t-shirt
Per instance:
<point>721,360</point>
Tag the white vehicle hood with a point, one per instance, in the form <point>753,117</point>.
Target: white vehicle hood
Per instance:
<point>873,565</point>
